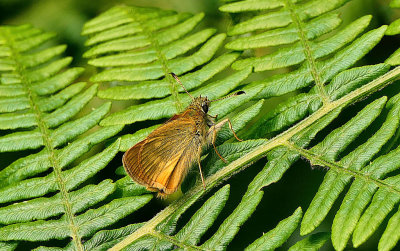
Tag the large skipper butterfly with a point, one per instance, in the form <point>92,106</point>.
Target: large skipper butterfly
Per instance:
<point>161,161</point>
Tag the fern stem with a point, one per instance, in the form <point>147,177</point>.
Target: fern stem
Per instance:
<point>256,154</point>
<point>307,52</point>
<point>188,199</point>
<point>45,132</point>
<point>318,160</point>
<point>162,59</point>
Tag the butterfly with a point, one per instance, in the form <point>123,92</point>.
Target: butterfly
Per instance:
<point>161,161</point>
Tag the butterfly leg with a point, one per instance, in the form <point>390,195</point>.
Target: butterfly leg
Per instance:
<point>212,132</point>
<point>222,123</point>
<point>215,148</point>
<point>201,174</point>
<point>230,127</point>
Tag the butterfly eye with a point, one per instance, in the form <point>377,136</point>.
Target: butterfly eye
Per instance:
<point>204,107</point>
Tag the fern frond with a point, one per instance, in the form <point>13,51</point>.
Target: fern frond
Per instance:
<point>39,186</point>
<point>39,104</point>
<point>34,164</point>
<point>368,178</point>
<point>53,190</point>
<point>35,78</point>
<point>43,208</point>
<point>237,218</point>
<point>288,35</point>
<point>290,13</point>
<point>88,223</point>
<point>294,54</point>
<point>166,107</point>
<point>159,44</point>
<point>161,47</point>
<point>324,68</point>
<point>161,88</point>
<point>189,235</point>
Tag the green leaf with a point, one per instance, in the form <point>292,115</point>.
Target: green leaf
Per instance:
<point>281,158</point>
<point>107,238</point>
<point>155,70</point>
<point>202,219</point>
<point>36,163</point>
<point>394,28</point>
<point>381,205</point>
<point>161,88</point>
<point>352,79</point>
<point>170,51</point>
<point>43,208</point>
<point>119,15</point>
<point>87,223</point>
<point>39,186</point>
<point>138,41</point>
<point>166,107</point>
<point>311,243</point>
<point>286,35</point>
<point>57,82</point>
<point>391,236</point>
<point>134,28</point>
<point>277,236</point>
<point>294,54</point>
<point>394,59</point>
<point>250,5</point>
<point>231,225</point>
<point>230,152</point>
<point>334,182</point>
<point>282,17</point>
<point>8,245</point>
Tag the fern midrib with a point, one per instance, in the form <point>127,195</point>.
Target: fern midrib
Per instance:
<point>162,60</point>
<point>150,225</point>
<point>45,132</point>
<point>314,158</point>
<point>307,52</point>
<point>259,152</point>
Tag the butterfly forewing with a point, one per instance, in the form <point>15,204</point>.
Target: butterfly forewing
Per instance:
<point>161,161</point>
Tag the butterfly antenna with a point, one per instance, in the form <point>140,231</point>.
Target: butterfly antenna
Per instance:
<point>232,95</point>
<point>179,81</point>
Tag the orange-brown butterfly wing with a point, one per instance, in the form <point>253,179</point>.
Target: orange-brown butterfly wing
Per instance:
<point>192,153</point>
<point>161,160</point>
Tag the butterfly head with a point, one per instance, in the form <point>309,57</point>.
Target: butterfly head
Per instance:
<point>201,103</point>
